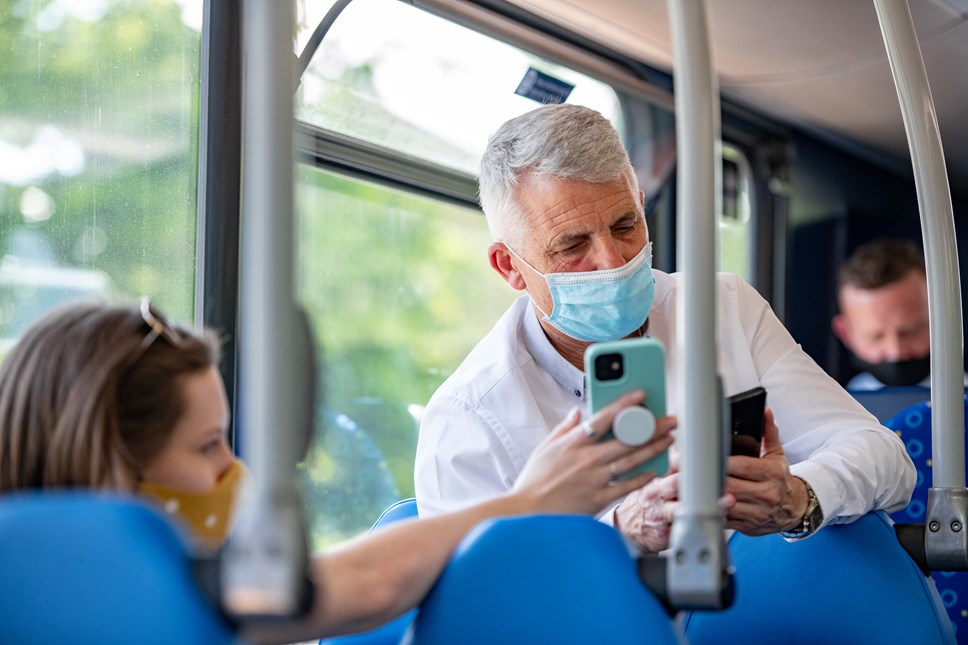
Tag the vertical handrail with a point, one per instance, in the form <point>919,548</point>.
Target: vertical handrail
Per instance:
<point>698,552</point>
<point>267,234</point>
<point>946,503</point>
<point>938,230</point>
<point>264,570</point>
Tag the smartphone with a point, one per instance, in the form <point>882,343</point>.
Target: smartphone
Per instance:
<point>746,422</point>
<point>616,367</point>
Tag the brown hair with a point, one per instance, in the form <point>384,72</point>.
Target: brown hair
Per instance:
<point>84,404</point>
<point>879,263</point>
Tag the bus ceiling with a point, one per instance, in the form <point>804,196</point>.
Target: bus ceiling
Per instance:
<point>820,67</point>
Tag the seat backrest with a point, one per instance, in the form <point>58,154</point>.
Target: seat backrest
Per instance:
<point>83,567</point>
<point>404,509</point>
<point>913,426</point>
<point>393,631</point>
<point>885,402</point>
<point>849,583</point>
<point>541,579</point>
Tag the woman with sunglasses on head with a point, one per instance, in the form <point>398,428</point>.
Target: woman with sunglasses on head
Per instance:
<point>117,398</point>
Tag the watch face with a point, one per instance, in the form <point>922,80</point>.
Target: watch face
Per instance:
<point>814,515</point>
<point>815,519</point>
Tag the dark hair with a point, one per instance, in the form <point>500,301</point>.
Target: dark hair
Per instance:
<point>84,402</point>
<point>880,263</point>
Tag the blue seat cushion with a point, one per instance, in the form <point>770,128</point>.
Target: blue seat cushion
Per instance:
<point>913,426</point>
<point>542,579</point>
<point>83,567</point>
<point>849,583</point>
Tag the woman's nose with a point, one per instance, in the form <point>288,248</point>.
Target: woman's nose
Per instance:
<point>226,458</point>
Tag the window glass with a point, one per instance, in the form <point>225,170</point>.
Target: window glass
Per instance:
<point>98,105</point>
<point>398,289</point>
<point>397,76</point>
<point>736,227</point>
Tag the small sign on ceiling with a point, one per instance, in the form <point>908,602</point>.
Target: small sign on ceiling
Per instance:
<point>543,88</point>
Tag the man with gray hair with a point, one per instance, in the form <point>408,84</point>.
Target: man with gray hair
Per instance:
<point>567,217</point>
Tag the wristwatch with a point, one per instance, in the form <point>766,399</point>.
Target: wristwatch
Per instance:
<point>812,517</point>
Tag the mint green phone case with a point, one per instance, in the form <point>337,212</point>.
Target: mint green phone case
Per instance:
<point>642,368</point>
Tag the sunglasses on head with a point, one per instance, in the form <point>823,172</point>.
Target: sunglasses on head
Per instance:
<point>158,327</point>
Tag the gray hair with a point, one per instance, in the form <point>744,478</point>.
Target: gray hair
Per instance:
<point>564,141</point>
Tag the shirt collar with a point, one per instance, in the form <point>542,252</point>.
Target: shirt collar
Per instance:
<point>547,357</point>
<point>550,360</point>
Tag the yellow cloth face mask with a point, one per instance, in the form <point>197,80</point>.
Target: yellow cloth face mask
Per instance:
<point>209,515</point>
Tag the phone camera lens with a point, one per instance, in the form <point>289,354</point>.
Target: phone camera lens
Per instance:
<point>609,367</point>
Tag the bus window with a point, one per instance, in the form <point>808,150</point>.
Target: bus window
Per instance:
<point>97,154</point>
<point>401,78</point>
<point>397,283</point>
<point>398,289</point>
<point>737,232</point>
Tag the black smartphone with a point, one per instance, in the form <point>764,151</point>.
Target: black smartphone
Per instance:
<point>746,422</point>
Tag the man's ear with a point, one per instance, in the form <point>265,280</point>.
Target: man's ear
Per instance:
<point>500,259</point>
<point>841,330</point>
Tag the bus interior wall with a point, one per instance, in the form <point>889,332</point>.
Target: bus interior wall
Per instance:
<point>838,202</point>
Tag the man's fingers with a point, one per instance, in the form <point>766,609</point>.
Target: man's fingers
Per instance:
<point>641,455</point>
<point>771,436</point>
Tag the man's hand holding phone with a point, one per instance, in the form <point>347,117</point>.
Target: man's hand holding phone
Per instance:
<point>766,497</point>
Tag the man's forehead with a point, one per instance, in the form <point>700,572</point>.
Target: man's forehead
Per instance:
<point>875,313</point>
<point>560,207</point>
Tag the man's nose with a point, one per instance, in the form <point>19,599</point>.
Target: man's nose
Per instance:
<point>608,255</point>
<point>894,349</point>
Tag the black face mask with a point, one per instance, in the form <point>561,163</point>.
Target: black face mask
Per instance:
<point>896,373</point>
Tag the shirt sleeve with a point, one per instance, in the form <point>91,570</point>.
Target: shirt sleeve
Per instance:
<point>852,462</point>
<point>461,458</point>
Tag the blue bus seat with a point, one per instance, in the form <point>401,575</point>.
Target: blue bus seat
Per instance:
<point>849,583</point>
<point>393,631</point>
<point>913,426</point>
<point>93,568</point>
<point>886,402</point>
<point>397,511</point>
<point>541,579</point>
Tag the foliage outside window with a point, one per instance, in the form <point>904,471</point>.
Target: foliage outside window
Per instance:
<point>398,289</point>
<point>98,129</point>
<point>399,77</point>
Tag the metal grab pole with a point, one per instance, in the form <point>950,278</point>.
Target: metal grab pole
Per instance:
<point>947,501</point>
<point>264,568</point>
<point>699,560</point>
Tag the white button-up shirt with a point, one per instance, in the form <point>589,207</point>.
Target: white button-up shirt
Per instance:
<point>484,421</point>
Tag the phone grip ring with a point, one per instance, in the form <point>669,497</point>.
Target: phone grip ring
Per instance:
<point>634,426</point>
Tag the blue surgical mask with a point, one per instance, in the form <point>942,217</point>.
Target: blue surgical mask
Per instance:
<point>596,306</point>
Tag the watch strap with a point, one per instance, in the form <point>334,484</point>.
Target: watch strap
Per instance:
<point>812,517</point>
